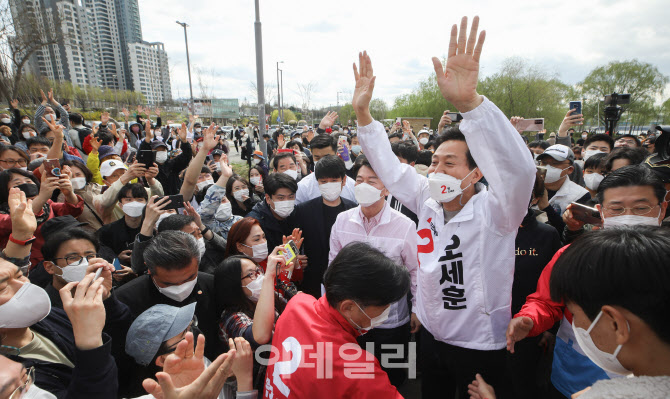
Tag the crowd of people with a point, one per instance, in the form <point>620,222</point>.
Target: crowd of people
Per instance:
<point>346,261</point>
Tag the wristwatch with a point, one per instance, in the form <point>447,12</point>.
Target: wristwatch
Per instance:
<point>24,243</point>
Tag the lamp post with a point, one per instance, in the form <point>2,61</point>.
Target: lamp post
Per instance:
<point>281,74</point>
<point>281,120</point>
<point>116,94</point>
<point>259,82</point>
<point>188,64</point>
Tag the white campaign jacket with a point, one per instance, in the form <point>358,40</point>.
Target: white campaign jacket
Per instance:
<point>569,192</point>
<point>466,267</point>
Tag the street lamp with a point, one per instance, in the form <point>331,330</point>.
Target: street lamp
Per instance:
<point>188,64</point>
<point>259,81</point>
<point>338,99</point>
<point>116,93</point>
<point>281,120</point>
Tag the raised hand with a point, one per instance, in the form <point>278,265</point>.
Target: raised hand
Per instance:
<point>209,138</point>
<point>151,174</point>
<point>112,129</point>
<point>158,111</point>
<point>14,103</point>
<point>515,122</point>
<point>44,97</point>
<point>571,119</point>
<point>125,112</point>
<point>95,143</point>
<point>186,364</point>
<point>148,131</point>
<point>189,210</point>
<point>406,127</point>
<point>51,96</point>
<point>226,170</point>
<point>183,133</point>
<point>296,236</point>
<point>85,311</point>
<point>243,365</point>
<point>328,120</point>
<point>444,120</point>
<point>458,83</point>
<point>365,84</point>
<point>21,212</point>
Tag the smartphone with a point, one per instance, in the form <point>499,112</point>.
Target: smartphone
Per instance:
<point>52,167</point>
<point>290,252</point>
<point>117,264</point>
<point>543,171</point>
<point>341,141</point>
<point>398,121</point>
<point>146,157</point>
<point>531,125</point>
<point>577,106</point>
<point>176,201</point>
<point>455,116</point>
<point>208,159</point>
<point>586,214</point>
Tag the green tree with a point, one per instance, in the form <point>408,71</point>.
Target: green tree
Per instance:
<point>424,101</point>
<point>346,114</point>
<point>378,109</point>
<point>288,116</point>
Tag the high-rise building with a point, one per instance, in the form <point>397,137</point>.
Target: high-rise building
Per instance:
<point>106,43</point>
<point>130,30</point>
<point>150,72</point>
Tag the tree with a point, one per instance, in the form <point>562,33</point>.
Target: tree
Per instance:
<point>268,92</point>
<point>346,114</point>
<point>378,109</point>
<point>288,116</point>
<point>643,81</point>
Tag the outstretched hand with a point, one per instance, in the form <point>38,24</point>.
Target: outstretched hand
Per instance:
<point>458,83</point>
<point>365,84</point>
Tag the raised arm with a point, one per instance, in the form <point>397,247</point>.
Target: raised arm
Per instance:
<point>194,168</point>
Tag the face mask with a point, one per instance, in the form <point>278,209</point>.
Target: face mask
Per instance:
<point>201,246</point>
<point>26,121</point>
<point>201,186</point>
<point>241,193</point>
<point>49,117</point>
<point>256,180</point>
<point>133,209</point>
<point>292,173</point>
<point>553,174</point>
<point>29,305</point>
<point>284,208</point>
<point>592,181</point>
<point>161,156</point>
<point>260,251</point>
<point>178,292</point>
<point>255,287</point>
<point>26,135</point>
<point>584,136</point>
<point>257,161</point>
<point>366,194</point>
<point>356,149</point>
<point>74,271</point>
<point>5,120</point>
<point>423,140</point>
<point>330,191</point>
<point>630,220</point>
<point>604,360</point>
<point>29,189</point>
<point>589,153</point>
<point>34,392</point>
<point>198,130</point>
<point>78,182</point>
<point>374,321</point>
<point>162,217</point>
<point>224,212</point>
<point>444,188</point>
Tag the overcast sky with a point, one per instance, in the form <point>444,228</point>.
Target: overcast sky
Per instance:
<point>319,40</point>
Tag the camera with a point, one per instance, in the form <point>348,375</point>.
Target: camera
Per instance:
<point>617,99</point>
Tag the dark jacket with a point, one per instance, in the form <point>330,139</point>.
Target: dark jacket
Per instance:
<point>168,173</point>
<point>249,204</point>
<point>273,228</point>
<point>94,374</point>
<point>14,125</point>
<point>308,216</point>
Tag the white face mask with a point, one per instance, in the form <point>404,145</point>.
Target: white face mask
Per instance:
<point>26,121</point>
<point>260,251</point>
<point>374,321</point>
<point>133,209</point>
<point>284,208</point>
<point>178,292</point>
<point>74,271</point>
<point>330,191</point>
<point>34,392</point>
<point>604,360</point>
<point>5,120</point>
<point>630,220</point>
<point>201,246</point>
<point>589,153</point>
<point>366,194</point>
<point>201,186</point>
<point>592,181</point>
<point>241,193</point>
<point>78,182</point>
<point>256,180</point>
<point>255,287</point>
<point>585,136</point>
<point>198,129</point>
<point>224,212</point>
<point>49,117</point>
<point>292,173</point>
<point>26,135</point>
<point>444,188</point>
<point>553,174</point>
<point>423,140</point>
<point>29,305</point>
<point>257,161</point>
<point>161,157</point>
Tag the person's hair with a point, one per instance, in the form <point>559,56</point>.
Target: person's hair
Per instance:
<point>175,222</point>
<point>25,126</point>
<point>259,170</point>
<point>323,141</point>
<point>76,118</point>
<point>38,140</point>
<point>454,134</point>
<point>577,150</point>
<point>105,138</point>
<point>364,274</point>
<point>204,169</point>
<point>631,176</point>
<point>22,154</point>
<point>596,161</point>
<point>294,143</point>
<point>634,155</point>
<point>330,166</point>
<point>6,177</point>
<point>171,250</point>
<point>539,143</point>
<point>361,161</point>
<point>276,134</point>
<point>279,180</point>
<point>624,267</point>
<point>6,130</point>
<point>229,186</point>
<point>54,241</point>
<point>239,232</point>
<point>425,157</point>
<point>84,169</point>
<point>599,137</point>
<point>136,190</point>
<point>396,135</point>
<point>229,295</point>
<point>266,136</point>
<point>280,156</point>
<point>406,150</point>
<point>637,140</point>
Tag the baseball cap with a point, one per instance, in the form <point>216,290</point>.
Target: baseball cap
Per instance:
<point>422,131</point>
<point>217,152</point>
<point>105,151</point>
<point>552,134</point>
<point>156,144</point>
<point>259,154</point>
<point>155,326</point>
<point>108,167</point>
<point>60,223</point>
<point>559,152</point>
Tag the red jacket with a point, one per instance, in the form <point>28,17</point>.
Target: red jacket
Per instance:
<point>539,307</point>
<point>316,356</point>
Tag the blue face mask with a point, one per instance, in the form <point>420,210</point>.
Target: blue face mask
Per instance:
<point>356,149</point>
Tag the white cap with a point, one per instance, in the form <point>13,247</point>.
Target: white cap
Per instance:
<point>110,166</point>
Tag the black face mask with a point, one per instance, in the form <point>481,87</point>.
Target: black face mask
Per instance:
<point>30,189</point>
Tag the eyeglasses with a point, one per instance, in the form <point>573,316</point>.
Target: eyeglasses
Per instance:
<point>253,274</point>
<point>76,259</point>
<point>12,162</point>
<point>25,385</point>
<point>639,210</point>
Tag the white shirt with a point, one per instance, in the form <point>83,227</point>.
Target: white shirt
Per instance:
<point>308,188</point>
<point>464,282</point>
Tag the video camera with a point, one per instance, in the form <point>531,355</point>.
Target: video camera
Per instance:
<point>613,111</point>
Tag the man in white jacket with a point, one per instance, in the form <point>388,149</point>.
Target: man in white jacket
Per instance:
<point>466,232</point>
